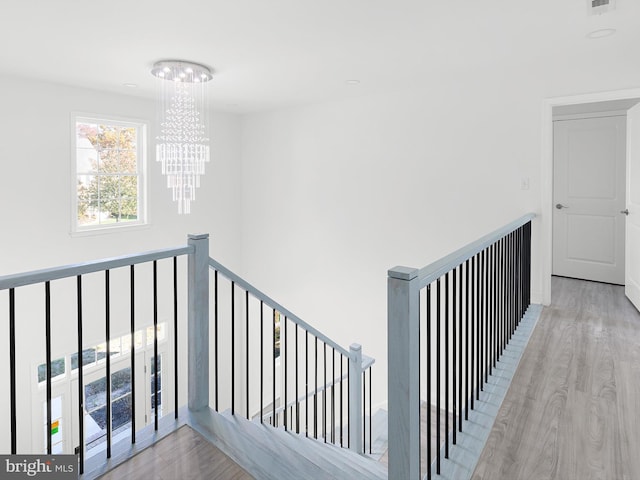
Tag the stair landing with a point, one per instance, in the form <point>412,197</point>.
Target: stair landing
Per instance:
<point>182,454</point>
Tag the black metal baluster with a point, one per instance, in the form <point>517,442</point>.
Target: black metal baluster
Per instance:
<point>519,275</point>
<point>428,382</point>
<point>460,335</point>
<point>520,278</point>
<point>364,410</point>
<point>511,287</point>
<point>525,277</point>
<point>80,449</point>
<point>348,409</point>
<point>516,280</point>
<point>505,294</point>
<point>487,323</point>
<point>493,343</point>
<point>528,260</point>
<point>473,333</point>
<point>47,295</point>
<point>261,360</point>
<point>500,298</point>
<point>454,411</point>
<point>495,306</point>
<point>333,398</point>
<point>438,376</point>
<point>286,348</point>
<point>446,365</point>
<point>315,393</point>
<point>467,335</point>
<point>497,300</point>
<point>485,315</point>
<point>233,348</point>
<point>324,394</point>
<point>274,416</point>
<point>522,273</point>
<point>490,309</point>
<point>370,413</point>
<point>515,283</point>
<point>12,370</point>
<point>155,345</point>
<point>132,351</point>
<point>246,346</point>
<point>175,337</point>
<point>306,383</point>
<point>478,322</point>
<point>480,312</point>
<point>516,302</point>
<point>297,381</point>
<point>483,326</point>
<point>215,334</point>
<point>108,358</point>
<point>341,398</point>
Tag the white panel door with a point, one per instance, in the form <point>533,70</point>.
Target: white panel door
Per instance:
<point>632,276</point>
<point>589,195</point>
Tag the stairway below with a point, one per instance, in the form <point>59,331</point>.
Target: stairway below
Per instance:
<point>273,453</point>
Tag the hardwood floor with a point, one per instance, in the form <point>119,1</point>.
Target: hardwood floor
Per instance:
<point>184,455</point>
<point>572,411</point>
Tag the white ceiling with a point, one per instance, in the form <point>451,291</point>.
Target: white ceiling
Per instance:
<point>276,53</point>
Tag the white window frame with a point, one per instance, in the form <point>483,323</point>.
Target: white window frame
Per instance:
<point>141,163</point>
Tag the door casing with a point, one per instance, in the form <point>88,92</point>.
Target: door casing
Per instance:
<point>545,222</point>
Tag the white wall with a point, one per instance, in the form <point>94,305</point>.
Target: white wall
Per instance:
<point>335,194</point>
<point>35,184</point>
<point>35,181</point>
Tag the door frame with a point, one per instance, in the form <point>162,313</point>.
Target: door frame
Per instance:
<point>546,221</point>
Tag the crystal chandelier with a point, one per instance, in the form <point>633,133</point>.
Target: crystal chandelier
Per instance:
<point>183,143</point>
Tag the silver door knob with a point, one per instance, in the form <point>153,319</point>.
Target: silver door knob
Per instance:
<point>560,206</point>
<point>625,211</point>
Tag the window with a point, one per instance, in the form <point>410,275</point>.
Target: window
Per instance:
<point>109,184</point>
<point>276,334</point>
<point>57,369</point>
<point>96,407</point>
<point>156,377</point>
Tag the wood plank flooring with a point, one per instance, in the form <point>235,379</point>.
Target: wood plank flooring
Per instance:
<point>184,455</point>
<point>573,408</point>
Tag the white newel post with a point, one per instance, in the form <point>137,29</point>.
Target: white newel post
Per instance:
<point>404,373</point>
<point>355,399</point>
<point>198,323</point>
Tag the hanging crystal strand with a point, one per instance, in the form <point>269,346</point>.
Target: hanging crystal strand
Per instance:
<point>183,120</point>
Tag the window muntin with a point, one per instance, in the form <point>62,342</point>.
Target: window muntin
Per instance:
<point>109,173</point>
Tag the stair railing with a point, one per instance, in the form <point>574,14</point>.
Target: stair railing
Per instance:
<point>114,273</point>
<point>323,385</point>
<point>477,296</point>
<point>274,368</point>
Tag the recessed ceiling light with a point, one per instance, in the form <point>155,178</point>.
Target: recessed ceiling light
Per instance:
<point>130,85</point>
<point>353,82</point>
<point>601,33</point>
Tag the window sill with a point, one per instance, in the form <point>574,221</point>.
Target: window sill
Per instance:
<point>93,231</point>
